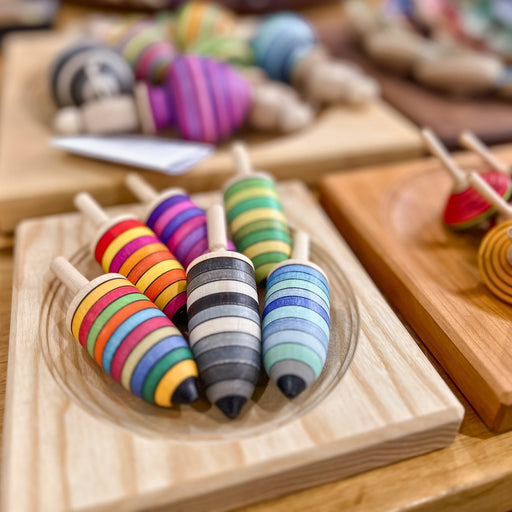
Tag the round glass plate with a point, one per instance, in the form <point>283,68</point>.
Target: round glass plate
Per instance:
<point>91,388</point>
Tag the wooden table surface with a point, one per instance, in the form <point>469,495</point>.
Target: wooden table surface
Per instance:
<point>473,474</point>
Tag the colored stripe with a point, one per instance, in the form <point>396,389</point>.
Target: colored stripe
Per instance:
<point>92,297</point>
<point>166,376</point>
<point>295,351</point>
<point>138,322</point>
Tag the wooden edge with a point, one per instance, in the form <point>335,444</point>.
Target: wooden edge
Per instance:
<point>496,416</point>
<point>318,466</point>
<point>196,180</point>
<point>9,426</point>
<point>6,240</point>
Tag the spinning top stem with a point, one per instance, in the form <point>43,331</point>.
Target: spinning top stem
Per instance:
<point>89,207</point>
<point>300,249</point>
<point>460,180</point>
<point>68,274</point>
<point>140,188</point>
<point>241,159</point>
<point>490,195</point>
<point>471,142</point>
<point>216,222</point>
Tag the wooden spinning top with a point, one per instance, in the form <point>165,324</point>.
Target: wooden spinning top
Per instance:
<point>255,215</point>
<point>285,46</point>
<point>465,207</point>
<point>495,251</point>
<point>224,320</point>
<point>127,246</point>
<point>144,44</point>
<point>175,218</point>
<point>129,337</point>
<point>88,71</point>
<point>201,20</point>
<point>211,30</point>
<point>296,321</point>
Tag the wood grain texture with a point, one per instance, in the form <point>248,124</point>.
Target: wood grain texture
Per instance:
<point>448,115</point>
<point>47,179</point>
<point>390,404</point>
<point>430,273</point>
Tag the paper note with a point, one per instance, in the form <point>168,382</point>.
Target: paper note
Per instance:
<point>154,153</point>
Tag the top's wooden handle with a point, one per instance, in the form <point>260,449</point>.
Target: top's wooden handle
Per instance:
<point>68,274</point>
<point>473,143</point>
<point>216,222</point>
<point>241,157</point>
<point>140,188</point>
<point>490,194</point>
<point>300,246</point>
<point>88,206</point>
<point>460,178</point>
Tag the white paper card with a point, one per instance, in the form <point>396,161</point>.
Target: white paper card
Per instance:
<point>154,153</point>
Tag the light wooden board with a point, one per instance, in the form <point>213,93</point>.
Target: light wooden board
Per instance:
<point>66,449</point>
<point>36,179</point>
<point>391,217</point>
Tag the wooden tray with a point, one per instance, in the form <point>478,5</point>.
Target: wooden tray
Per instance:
<point>489,116</point>
<point>36,179</point>
<point>391,217</point>
<point>75,440</point>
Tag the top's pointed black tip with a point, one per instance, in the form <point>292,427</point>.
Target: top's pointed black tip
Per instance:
<point>291,385</point>
<point>186,392</point>
<point>231,405</point>
<point>180,319</point>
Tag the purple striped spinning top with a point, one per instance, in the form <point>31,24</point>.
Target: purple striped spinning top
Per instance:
<point>204,99</point>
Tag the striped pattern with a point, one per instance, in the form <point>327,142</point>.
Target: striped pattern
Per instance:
<point>296,322</point>
<point>224,327</point>
<point>181,225</point>
<point>468,208</point>
<point>494,266</point>
<point>205,99</point>
<point>88,71</point>
<point>200,21</point>
<point>143,44</point>
<point>230,49</point>
<point>132,249</point>
<point>257,223</point>
<point>280,42</point>
<point>133,341</point>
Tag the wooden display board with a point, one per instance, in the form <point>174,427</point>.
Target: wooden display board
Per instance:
<point>36,179</point>
<point>392,217</point>
<point>75,440</point>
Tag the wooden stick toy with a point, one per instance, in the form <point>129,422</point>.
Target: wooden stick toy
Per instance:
<point>205,100</point>
<point>465,207</point>
<point>88,71</point>
<point>470,141</point>
<point>224,320</point>
<point>177,221</point>
<point>296,321</point>
<point>285,45</point>
<point>212,30</point>
<point>127,246</point>
<point>129,337</point>
<point>144,43</point>
<point>495,251</point>
<point>255,215</point>
<point>198,21</point>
